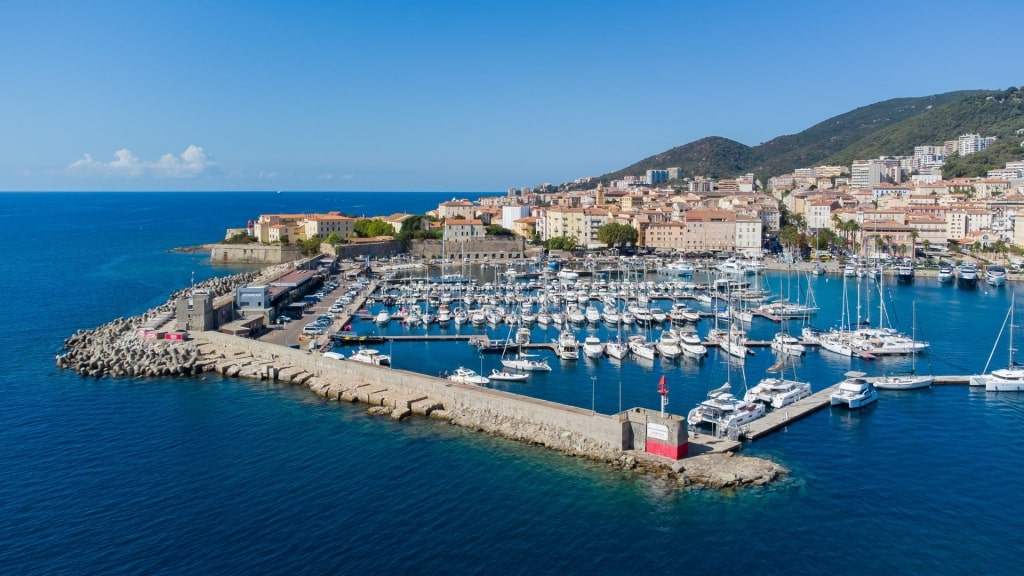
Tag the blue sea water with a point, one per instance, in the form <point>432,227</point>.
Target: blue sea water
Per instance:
<point>214,476</point>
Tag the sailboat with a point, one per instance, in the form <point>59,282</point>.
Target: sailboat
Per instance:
<point>1009,379</point>
<point>910,381</point>
<point>616,348</point>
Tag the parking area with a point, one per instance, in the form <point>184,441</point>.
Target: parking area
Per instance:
<point>332,306</point>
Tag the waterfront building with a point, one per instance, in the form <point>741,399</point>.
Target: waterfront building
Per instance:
<point>456,209</point>
<point>463,229</point>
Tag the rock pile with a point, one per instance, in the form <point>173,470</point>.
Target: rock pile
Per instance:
<point>117,349</point>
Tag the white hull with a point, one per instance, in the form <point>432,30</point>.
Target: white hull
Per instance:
<point>902,382</point>
<point>527,365</point>
<point>642,350</point>
<point>507,376</point>
<point>778,393</point>
<point>616,350</point>
<point>834,344</point>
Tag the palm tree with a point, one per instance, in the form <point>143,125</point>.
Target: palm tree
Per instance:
<point>888,244</point>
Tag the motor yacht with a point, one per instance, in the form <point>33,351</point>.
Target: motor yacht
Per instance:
<point>568,346</point>
<point>668,345</point>
<point>691,345</point>
<point>854,392</point>
<point>783,343</point>
<point>467,376</point>
<point>778,392</point>
<point>945,274</point>
<point>371,356</point>
<point>592,347</point>
<point>995,275</point>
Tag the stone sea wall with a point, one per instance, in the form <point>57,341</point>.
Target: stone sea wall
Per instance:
<point>118,349</point>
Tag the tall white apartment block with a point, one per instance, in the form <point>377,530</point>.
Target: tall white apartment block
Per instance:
<point>972,143</point>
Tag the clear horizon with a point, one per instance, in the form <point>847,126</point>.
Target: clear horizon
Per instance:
<point>456,97</point>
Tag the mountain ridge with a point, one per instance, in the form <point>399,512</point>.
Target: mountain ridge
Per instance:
<point>889,127</point>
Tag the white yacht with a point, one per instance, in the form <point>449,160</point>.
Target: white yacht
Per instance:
<point>526,363</point>
<point>592,347</point>
<point>679,267</point>
<point>639,346</point>
<point>1009,379</point>
<point>467,376</point>
<point>725,413</point>
<point>592,314</point>
<point>778,392</point>
<point>903,381</point>
<point>610,316</point>
<point>382,317</point>
<point>995,275</point>
<point>967,275</point>
<point>945,274</point>
<point>371,356</point>
<point>784,343</point>
<point>507,376</point>
<point>616,349</point>
<point>658,315</point>
<point>854,392</point>
<point>691,345</point>
<point>668,345</point>
<point>568,348</point>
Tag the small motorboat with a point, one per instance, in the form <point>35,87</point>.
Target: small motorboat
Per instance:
<point>507,376</point>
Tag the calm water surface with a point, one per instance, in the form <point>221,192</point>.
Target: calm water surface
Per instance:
<point>223,476</point>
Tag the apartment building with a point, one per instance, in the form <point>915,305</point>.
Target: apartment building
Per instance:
<point>456,209</point>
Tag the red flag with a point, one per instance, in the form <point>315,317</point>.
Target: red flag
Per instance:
<point>661,386</point>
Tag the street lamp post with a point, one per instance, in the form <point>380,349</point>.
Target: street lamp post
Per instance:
<point>593,394</point>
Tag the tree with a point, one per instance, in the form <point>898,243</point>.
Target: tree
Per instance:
<point>789,236</point>
<point>333,238</point>
<point>615,234</point>
<point>561,243</point>
<point>498,230</point>
<point>373,228</point>
<point>879,244</point>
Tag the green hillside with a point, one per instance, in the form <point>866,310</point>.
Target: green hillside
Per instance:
<point>988,114</point>
<point>892,127</point>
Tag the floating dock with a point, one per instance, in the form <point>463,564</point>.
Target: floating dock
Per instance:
<point>781,417</point>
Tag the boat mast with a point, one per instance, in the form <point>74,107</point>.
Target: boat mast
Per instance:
<point>1011,334</point>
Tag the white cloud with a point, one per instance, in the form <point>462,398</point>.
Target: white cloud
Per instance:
<point>192,162</point>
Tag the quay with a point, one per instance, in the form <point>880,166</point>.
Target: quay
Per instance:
<point>637,434</point>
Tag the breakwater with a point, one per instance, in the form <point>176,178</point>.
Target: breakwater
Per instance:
<point>119,348</point>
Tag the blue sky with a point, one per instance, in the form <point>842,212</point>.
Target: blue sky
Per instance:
<point>449,95</point>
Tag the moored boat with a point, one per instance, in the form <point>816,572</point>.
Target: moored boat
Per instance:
<point>725,413</point>
<point>1009,379</point>
<point>854,392</point>
<point>995,275</point>
<point>468,376</point>
<point>506,376</point>
<point>945,274</point>
<point>967,275</point>
<point>526,363</point>
<point>371,356</point>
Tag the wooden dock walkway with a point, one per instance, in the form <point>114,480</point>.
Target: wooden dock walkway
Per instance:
<point>783,416</point>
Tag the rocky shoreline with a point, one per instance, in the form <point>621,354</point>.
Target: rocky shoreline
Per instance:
<point>193,249</point>
<point>116,349</point>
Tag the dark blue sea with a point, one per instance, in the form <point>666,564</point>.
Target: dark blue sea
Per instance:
<point>217,476</point>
